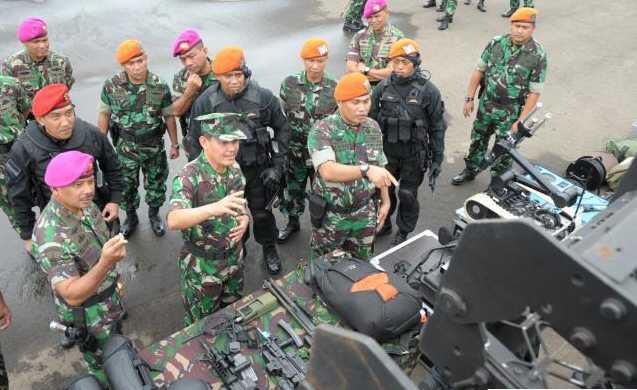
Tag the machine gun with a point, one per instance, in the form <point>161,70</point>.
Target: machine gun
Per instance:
<point>288,367</point>
<point>228,369</point>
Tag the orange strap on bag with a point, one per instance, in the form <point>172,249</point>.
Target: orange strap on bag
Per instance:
<point>378,282</point>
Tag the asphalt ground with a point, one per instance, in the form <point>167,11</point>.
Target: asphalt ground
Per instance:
<point>589,90</point>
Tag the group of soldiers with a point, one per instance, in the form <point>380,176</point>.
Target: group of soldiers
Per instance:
<point>364,143</point>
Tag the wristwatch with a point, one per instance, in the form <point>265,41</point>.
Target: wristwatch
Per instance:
<point>366,70</point>
<point>468,99</point>
<point>176,146</point>
<point>364,168</point>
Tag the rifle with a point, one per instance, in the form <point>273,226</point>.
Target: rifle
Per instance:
<point>288,367</point>
<point>303,318</point>
<point>228,369</point>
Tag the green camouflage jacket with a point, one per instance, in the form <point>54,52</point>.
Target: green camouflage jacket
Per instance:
<point>136,108</point>
<point>66,245</point>
<point>199,184</point>
<point>179,86</point>
<point>305,102</point>
<point>511,71</point>
<point>331,139</point>
<point>33,76</point>
<point>13,103</point>
<point>373,50</point>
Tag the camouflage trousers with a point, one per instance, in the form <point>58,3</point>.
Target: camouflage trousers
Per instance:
<point>4,377</point>
<point>353,233</point>
<point>450,6</point>
<point>208,285</point>
<point>293,204</point>
<point>354,11</point>
<point>4,197</point>
<point>516,3</point>
<point>102,319</point>
<point>489,120</point>
<point>152,161</point>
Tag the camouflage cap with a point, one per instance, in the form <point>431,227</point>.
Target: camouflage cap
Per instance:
<point>226,126</point>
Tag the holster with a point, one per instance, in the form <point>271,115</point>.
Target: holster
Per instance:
<point>318,209</point>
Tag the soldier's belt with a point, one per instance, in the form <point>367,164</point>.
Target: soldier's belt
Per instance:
<point>153,135</point>
<point>5,148</point>
<point>356,206</point>
<point>200,252</point>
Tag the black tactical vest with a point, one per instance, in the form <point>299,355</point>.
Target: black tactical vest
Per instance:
<point>401,119</point>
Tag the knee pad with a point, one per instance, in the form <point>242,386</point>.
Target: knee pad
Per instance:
<point>407,197</point>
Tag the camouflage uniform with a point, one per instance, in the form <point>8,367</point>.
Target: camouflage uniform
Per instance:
<point>138,110</point>
<point>511,72</point>
<point>304,103</point>
<point>33,76</point>
<point>354,12</point>
<point>211,273</point>
<point>66,246</point>
<point>516,3</point>
<point>350,221</point>
<point>13,103</point>
<point>450,6</point>
<point>179,86</point>
<point>373,50</point>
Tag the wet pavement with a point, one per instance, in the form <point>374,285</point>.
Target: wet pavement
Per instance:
<point>591,66</point>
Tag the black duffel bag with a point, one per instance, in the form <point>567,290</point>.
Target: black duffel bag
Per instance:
<point>376,303</point>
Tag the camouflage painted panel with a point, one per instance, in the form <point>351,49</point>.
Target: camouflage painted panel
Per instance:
<point>179,355</point>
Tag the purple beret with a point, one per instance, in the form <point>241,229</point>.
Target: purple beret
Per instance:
<point>31,28</point>
<point>373,6</point>
<point>65,168</point>
<point>185,41</point>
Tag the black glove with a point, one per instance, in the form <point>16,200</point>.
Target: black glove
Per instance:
<point>271,178</point>
<point>434,171</point>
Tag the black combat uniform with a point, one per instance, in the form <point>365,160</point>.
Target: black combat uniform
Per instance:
<point>30,155</point>
<point>257,154</point>
<point>410,113</point>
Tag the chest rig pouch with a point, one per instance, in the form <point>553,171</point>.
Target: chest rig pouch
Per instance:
<point>403,119</point>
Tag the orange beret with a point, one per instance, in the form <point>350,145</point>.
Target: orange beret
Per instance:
<point>314,47</point>
<point>228,59</point>
<point>351,86</point>
<point>50,98</point>
<point>404,47</point>
<point>524,14</point>
<point>128,49</point>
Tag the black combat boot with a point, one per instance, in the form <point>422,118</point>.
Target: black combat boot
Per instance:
<point>441,7</point>
<point>271,259</point>
<point>480,6</point>
<point>444,23</point>
<point>429,4</point>
<point>155,221</point>
<point>292,227</point>
<point>130,224</point>
<point>464,176</point>
<point>467,2</point>
<point>442,17</point>
<point>399,238</point>
<point>509,13</point>
<point>386,229</point>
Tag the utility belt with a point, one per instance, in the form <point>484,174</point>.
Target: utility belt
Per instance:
<point>504,101</point>
<point>152,138</point>
<point>198,251</point>
<point>403,130</point>
<point>6,148</point>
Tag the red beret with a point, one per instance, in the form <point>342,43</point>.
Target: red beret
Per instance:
<point>49,98</point>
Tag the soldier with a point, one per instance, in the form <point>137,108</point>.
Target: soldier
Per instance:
<point>263,161</point>
<point>480,5</point>
<point>55,130</point>
<point>5,322</point>
<point>450,10</point>
<point>514,5</point>
<point>207,205</point>
<point>73,247</point>
<point>36,66</point>
<point>191,80</point>
<point>14,106</point>
<point>307,96</point>
<point>353,16</point>
<point>138,102</point>
<point>369,48</point>
<point>409,110</point>
<point>511,72</point>
<point>347,153</point>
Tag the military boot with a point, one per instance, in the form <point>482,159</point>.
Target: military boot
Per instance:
<point>130,224</point>
<point>429,4</point>
<point>155,221</point>
<point>441,7</point>
<point>386,229</point>
<point>464,176</point>
<point>442,17</point>
<point>444,23</point>
<point>399,238</point>
<point>271,259</point>
<point>509,13</point>
<point>467,2</point>
<point>292,227</point>
<point>480,6</point>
